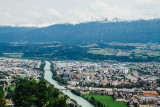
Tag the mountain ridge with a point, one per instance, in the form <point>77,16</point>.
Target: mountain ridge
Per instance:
<point>97,31</point>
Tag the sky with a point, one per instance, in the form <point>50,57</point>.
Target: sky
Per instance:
<point>48,12</point>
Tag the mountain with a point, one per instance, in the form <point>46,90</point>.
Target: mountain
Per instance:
<point>141,31</point>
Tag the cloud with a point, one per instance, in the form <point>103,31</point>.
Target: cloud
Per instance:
<point>46,12</point>
<point>6,14</point>
<point>54,12</point>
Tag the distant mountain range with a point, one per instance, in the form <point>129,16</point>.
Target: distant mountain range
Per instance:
<point>141,31</point>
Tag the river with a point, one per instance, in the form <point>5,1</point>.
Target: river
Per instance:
<point>48,76</point>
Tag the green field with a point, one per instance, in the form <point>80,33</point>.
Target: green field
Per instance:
<point>107,100</point>
<point>13,87</point>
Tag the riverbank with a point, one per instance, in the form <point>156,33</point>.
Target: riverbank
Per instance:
<point>59,80</point>
<point>48,76</point>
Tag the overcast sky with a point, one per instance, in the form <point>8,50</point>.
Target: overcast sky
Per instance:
<point>47,12</point>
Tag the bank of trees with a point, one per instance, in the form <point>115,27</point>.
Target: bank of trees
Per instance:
<point>59,79</point>
<point>28,93</point>
<point>43,63</point>
<point>76,92</point>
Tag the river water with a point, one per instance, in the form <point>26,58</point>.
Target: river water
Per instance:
<point>48,77</point>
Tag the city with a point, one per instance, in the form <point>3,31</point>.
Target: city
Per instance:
<point>134,83</point>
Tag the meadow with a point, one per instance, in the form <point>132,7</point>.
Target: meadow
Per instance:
<point>107,100</point>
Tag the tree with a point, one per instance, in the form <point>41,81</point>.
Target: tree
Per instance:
<point>28,93</point>
<point>1,92</point>
<point>42,93</point>
<point>2,101</point>
<point>9,93</point>
<point>57,102</point>
<point>98,103</point>
<point>24,92</point>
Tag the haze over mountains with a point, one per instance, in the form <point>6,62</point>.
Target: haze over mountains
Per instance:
<point>141,31</point>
